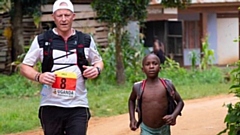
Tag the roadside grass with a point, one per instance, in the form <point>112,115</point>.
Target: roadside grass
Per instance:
<point>114,101</point>
<point>18,114</point>
<point>194,91</point>
<point>21,114</point>
<point>19,103</point>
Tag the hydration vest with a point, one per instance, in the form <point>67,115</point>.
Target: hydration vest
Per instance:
<point>45,41</point>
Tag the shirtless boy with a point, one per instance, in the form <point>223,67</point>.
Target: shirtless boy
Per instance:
<point>152,108</point>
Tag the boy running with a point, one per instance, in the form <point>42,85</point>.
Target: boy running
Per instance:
<point>152,97</point>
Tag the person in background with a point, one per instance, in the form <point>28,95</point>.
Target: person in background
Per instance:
<point>158,49</point>
<point>64,108</point>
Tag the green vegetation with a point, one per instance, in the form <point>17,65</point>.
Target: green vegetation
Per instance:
<point>118,14</point>
<point>176,3</point>
<point>232,118</point>
<point>18,114</point>
<point>19,97</point>
<point>208,55</point>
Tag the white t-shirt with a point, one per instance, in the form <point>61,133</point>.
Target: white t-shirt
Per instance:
<point>69,90</point>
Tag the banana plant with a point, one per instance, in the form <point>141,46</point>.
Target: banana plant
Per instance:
<point>208,55</point>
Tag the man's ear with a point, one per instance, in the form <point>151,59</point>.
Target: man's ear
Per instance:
<point>74,15</point>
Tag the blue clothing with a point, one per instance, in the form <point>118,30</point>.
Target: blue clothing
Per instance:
<point>164,130</point>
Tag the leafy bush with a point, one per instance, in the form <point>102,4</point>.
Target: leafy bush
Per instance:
<point>232,118</point>
<point>133,55</point>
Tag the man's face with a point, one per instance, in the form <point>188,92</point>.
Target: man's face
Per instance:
<point>63,19</point>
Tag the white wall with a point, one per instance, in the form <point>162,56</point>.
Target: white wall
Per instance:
<point>133,29</point>
<point>212,34</point>
<point>227,50</point>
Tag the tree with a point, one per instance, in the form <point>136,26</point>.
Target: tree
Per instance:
<point>176,3</point>
<point>19,9</point>
<point>117,13</point>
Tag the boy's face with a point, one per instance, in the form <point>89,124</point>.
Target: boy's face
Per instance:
<point>151,66</point>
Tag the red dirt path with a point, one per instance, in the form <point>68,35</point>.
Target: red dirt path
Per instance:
<point>200,117</point>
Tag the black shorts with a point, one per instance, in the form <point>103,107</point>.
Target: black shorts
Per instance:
<point>64,121</point>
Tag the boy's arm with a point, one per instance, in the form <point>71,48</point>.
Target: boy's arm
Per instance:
<point>180,104</point>
<point>171,119</point>
<point>178,99</point>
<point>131,108</point>
<point>176,96</point>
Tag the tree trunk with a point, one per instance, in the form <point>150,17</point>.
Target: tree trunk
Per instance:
<point>18,42</point>
<point>119,57</point>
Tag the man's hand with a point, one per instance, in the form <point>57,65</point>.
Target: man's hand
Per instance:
<point>90,72</point>
<point>47,78</point>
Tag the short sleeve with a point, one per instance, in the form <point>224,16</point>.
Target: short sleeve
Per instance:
<point>34,53</point>
<point>93,54</point>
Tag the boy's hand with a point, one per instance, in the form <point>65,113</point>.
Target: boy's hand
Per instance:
<point>170,119</point>
<point>133,125</point>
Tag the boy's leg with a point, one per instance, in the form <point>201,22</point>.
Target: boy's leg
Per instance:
<point>51,120</point>
<point>77,121</point>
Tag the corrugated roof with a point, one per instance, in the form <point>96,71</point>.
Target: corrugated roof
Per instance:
<point>214,1</point>
<point>152,2</point>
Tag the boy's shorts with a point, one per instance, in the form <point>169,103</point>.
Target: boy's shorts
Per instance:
<point>164,130</point>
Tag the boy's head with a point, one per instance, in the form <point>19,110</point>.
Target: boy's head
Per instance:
<point>151,65</point>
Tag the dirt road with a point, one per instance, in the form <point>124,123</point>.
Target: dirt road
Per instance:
<point>199,117</point>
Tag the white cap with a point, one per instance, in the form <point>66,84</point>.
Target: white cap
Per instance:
<point>57,5</point>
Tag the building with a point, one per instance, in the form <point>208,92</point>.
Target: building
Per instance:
<point>182,30</point>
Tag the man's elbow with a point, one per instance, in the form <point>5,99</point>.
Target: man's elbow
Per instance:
<point>21,68</point>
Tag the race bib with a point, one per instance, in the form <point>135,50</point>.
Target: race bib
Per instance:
<point>65,84</point>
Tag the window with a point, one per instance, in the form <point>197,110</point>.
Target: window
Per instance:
<point>174,38</point>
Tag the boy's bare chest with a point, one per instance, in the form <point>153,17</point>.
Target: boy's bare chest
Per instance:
<point>154,93</point>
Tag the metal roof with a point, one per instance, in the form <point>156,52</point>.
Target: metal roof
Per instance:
<point>214,1</point>
<point>152,2</point>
